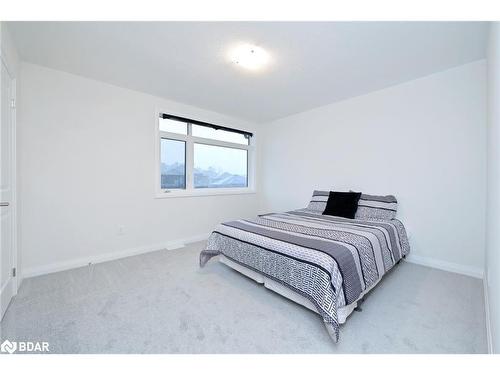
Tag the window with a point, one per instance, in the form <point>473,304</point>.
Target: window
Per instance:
<point>172,126</point>
<point>197,158</point>
<point>173,164</point>
<point>220,135</point>
<point>219,167</point>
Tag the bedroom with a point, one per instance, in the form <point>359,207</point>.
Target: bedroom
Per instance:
<point>250,187</point>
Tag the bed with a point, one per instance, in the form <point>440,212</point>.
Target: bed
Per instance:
<point>326,263</point>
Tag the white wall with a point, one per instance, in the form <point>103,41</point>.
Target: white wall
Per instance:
<point>492,263</point>
<point>8,50</point>
<point>87,166</point>
<point>423,141</point>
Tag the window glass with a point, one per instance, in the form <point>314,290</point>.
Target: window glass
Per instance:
<point>219,167</point>
<point>172,126</point>
<point>220,135</point>
<point>173,164</point>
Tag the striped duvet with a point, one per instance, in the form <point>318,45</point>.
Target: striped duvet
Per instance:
<point>327,259</point>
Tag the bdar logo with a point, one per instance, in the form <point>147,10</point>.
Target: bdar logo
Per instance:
<point>8,347</point>
<point>24,346</point>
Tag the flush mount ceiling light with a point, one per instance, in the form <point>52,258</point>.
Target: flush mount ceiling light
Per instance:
<point>249,57</point>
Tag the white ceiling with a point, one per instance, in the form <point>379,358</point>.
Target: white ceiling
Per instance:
<point>314,63</point>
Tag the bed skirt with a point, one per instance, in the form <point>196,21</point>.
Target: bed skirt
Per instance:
<point>342,312</point>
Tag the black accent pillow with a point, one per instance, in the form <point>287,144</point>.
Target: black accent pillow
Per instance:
<point>343,204</point>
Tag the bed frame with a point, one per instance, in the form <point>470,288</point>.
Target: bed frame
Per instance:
<point>342,313</point>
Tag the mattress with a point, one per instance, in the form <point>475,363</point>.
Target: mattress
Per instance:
<point>328,261</point>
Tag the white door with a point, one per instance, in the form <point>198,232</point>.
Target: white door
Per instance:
<point>7,272</point>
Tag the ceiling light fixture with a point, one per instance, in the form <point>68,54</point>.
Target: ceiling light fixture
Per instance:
<point>249,56</point>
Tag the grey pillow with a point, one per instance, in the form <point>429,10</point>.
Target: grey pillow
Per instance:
<point>377,207</point>
<point>318,200</point>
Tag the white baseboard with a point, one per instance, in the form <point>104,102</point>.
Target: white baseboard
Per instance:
<point>446,266</point>
<point>487,311</point>
<point>80,262</point>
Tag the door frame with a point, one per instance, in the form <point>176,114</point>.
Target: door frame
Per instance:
<point>13,120</point>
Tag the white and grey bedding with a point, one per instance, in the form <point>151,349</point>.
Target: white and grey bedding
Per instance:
<point>327,259</point>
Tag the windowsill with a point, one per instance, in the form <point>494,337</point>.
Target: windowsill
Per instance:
<point>203,192</point>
